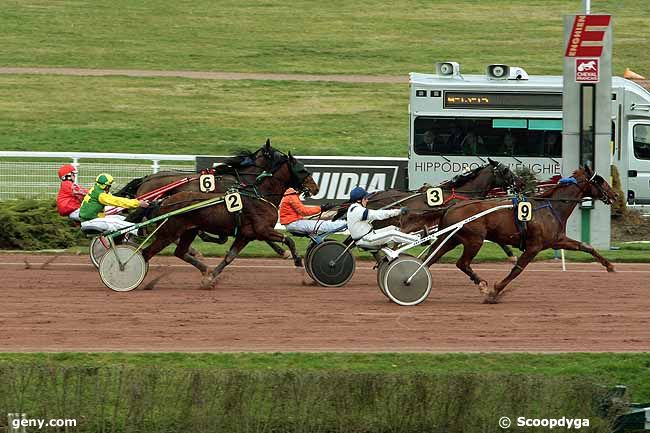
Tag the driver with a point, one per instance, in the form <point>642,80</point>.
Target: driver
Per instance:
<point>360,218</point>
<point>70,195</point>
<point>92,209</point>
<point>293,213</point>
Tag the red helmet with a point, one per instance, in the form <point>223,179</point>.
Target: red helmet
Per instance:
<point>66,170</point>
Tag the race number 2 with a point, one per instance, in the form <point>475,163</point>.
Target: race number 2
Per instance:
<point>207,183</point>
<point>434,196</point>
<point>233,202</point>
<point>524,211</point>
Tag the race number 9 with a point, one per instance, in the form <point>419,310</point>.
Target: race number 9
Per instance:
<point>524,211</point>
<point>207,183</point>
<point>434,196</point>
<point>233,202</point>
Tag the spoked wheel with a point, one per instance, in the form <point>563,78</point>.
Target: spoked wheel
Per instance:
<point>381,273</point>
<point>331,264</point>
<point>307,258</point>
<point>406,282</point>
<point>98,247</point>
<point>122,268</point>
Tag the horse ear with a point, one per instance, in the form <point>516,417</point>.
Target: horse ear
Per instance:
<point>291,158</point>
<point>268,144</point>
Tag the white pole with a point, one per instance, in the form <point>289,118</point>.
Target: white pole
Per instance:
<point>563,262</point>
<point>587,7</point>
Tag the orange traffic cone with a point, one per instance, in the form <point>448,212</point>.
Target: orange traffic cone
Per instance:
<point>631,75</point>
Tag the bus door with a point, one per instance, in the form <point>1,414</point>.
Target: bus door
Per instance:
<point>639,162</point>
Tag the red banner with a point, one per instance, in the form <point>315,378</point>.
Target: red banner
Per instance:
<point>587,36</point>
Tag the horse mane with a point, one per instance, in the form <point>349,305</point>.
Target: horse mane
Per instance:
<point>463,178</point>
<point>241,159</point>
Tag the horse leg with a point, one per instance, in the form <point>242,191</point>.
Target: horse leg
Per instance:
<point>573,245</point>
<point>236,247</point>
<point>511,256</point>
<point>517,269</point>
<point>183,253</point>
<point>278,250</point>
<point>471,247</point>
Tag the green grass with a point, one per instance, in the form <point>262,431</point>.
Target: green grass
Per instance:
<point>341,37</point>
<point>630,369</point>
<point>199,117</point>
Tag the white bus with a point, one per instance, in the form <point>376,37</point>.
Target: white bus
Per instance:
<point>457,121</point>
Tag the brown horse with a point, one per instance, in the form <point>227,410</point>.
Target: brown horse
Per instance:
<point>256,221</point>
<point>241,169</point>
<point>474,184</point>
<point>477,183</point>
<point>547,229</point>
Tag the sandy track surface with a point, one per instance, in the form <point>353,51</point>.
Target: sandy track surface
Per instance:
<point>262,305</point>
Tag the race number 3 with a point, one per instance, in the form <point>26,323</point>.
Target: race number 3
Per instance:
<point>233,202</point>
<point>524,211</point>
<point>207,183</point>
<point>434,196</point>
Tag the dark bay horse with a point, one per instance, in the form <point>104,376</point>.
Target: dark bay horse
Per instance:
<point>256,221</point>
<point>476,183</point>
<point>241,169</point>
<point>473,184</point>
<point>547,229</point>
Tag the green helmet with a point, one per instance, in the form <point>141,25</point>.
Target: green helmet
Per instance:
<point>104,180</point>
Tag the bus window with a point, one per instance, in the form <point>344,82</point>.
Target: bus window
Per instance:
<point>642,141</point>
<point>488,137</point>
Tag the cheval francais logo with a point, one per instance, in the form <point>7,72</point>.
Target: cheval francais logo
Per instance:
<point>587,70</point>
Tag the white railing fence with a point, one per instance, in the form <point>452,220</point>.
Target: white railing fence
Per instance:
<point>34,174</point>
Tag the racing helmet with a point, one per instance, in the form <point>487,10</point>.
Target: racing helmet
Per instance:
<point>357,194</point>
<point>66,170</point>
<point>104,180</point>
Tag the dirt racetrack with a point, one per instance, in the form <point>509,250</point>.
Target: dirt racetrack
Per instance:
<point>261,305</point>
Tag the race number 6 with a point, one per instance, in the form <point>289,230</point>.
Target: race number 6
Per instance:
<point>207,183</point>
<point>434,196</point>
<point>233,202</point>
<point>524,211</point>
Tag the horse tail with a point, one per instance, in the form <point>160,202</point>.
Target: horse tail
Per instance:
<point>341,211</point>
<point>131,188</point>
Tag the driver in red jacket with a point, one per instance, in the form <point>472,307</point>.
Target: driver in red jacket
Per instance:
<point>70,196</point>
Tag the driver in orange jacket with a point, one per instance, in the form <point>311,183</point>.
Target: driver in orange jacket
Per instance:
<point>293,213</point>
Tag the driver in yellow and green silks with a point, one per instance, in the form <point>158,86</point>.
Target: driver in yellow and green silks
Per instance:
<point>91,212</point>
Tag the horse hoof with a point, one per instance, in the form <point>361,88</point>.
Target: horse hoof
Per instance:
<point>490,299</point>
<point>298,262</point>
<point>611,269</point>
<point>483,287</point>
<point>206,284</point>
<point>287,255</point>
<point>310,283</point>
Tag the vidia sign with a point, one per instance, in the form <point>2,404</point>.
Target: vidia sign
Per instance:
<point>585,43</point>
<point>336,176</point>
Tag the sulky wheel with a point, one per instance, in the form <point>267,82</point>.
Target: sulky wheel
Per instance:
<point>307,258</point>
<point>122,268</point>
<point>98,247</point>
<point>331,264</point>
<point>406,282</point>
<point>381,273</point>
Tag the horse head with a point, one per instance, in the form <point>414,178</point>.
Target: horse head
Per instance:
<point>597,185</point>
<point>504,177</point>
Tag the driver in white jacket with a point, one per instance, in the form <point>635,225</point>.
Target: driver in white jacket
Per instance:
<point>360,218</point>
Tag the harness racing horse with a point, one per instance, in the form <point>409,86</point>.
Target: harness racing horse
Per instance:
<point>241,169</point>
<point>547,229</point>
<point>477,183</point>
<point>256,221</point>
